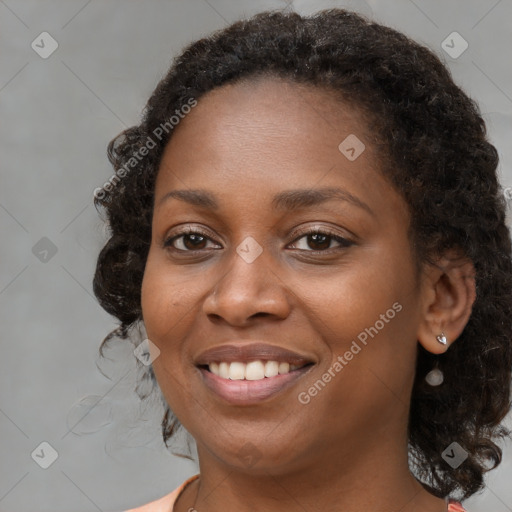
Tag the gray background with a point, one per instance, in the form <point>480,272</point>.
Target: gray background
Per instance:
<point>56,117</point>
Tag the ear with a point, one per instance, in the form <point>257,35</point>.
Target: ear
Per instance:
<point>448,294</point>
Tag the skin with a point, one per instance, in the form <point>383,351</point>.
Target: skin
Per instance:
<point>244,143</point>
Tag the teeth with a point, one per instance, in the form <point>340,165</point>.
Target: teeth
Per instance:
<point>236,371</point>
<point>224,370</point>
<point>253,370</point>
<point>284,368</point>
<point>271,368</point>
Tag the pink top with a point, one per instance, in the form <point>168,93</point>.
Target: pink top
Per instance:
<point>166,503</point>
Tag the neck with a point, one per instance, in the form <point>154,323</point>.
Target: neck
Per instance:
<point>349,480</point>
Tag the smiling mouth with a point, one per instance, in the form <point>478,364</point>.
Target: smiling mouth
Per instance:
<point>249,383</point>
<point>252,370</point>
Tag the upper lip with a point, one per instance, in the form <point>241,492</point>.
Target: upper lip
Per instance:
<point>250,352</point>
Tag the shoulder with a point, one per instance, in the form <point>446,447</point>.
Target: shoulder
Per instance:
<point>455,506</point>
<point>165,503</point>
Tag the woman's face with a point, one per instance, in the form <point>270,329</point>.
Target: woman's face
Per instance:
<point>240,269</point>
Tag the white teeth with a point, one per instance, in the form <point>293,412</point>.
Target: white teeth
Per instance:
<point>284,368</point>
<point>253,370</point>
<point>237,371</point>
<point>224,370</point>
<point>271,368</point>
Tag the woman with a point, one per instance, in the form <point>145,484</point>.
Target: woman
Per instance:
<point>308,223</point>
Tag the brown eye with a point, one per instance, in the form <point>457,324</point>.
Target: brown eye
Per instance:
<point>318,241</point>
<point>315,240</point>
<point>193,242</point>
<point>188,241</point>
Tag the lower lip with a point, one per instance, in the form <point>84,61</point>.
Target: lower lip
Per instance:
<point>248,392</point>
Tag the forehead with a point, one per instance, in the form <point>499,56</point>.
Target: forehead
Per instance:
<point>264,129</point>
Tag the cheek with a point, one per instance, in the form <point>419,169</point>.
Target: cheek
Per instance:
<point>366,314</point>
<point>166,297</point>
<point>353,297</point>
<point>370,362</point>
<point>170,302</point>
<point>164,311</point>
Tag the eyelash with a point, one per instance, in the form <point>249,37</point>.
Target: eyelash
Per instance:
<point>344,242</point>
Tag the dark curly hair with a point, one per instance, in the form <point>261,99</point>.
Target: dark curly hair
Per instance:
<point>432,143</point>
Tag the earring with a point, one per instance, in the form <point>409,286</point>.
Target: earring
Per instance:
<point>435,376</point>
<point>441,338</point>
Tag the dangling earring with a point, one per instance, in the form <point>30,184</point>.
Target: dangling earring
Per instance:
<point>435,376</point>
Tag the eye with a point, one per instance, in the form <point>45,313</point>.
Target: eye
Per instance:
<point>320,240</point>
<point>188,240</point>
<point>315,240</point>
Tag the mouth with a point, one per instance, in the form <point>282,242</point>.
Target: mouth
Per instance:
<point>248,373</point>
<point>250,383</point>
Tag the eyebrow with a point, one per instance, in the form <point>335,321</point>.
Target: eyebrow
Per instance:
<point>288,200</point>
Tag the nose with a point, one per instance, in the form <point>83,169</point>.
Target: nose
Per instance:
<point>249,289</point>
